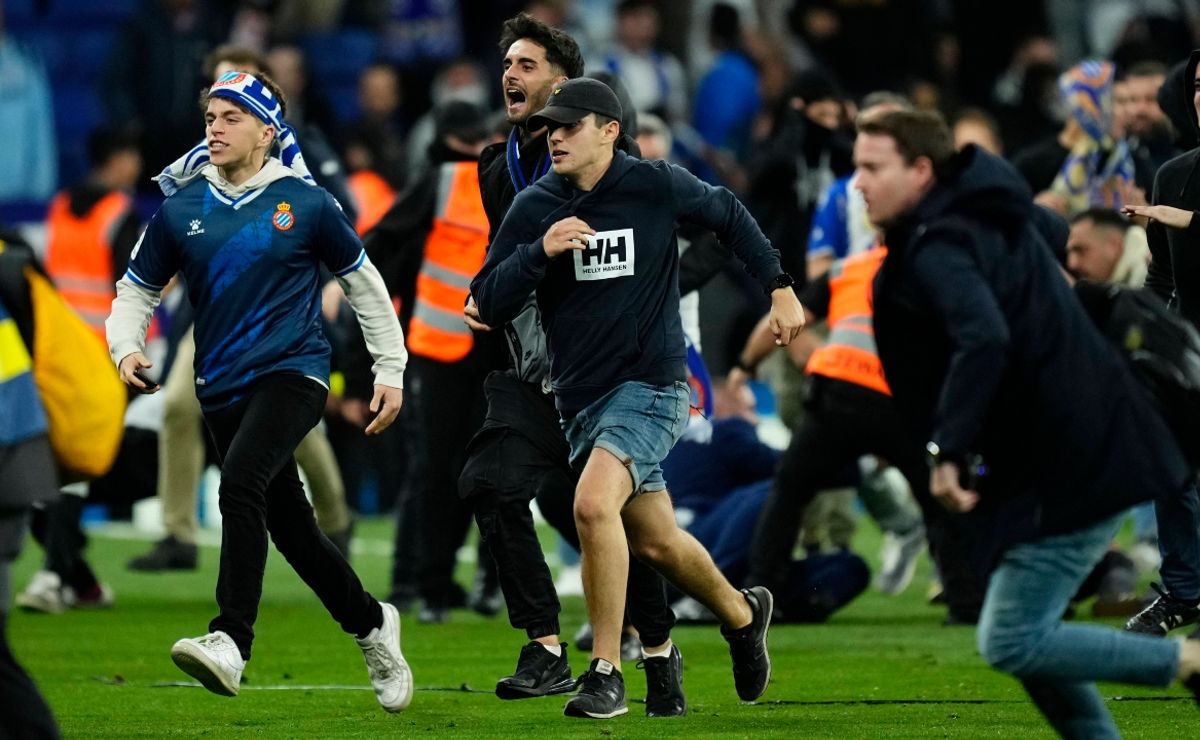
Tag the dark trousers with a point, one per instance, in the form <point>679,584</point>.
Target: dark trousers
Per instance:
<point>451,406</point>
<point>844,422</point>
<point>504,472</point>
<point>261,493</point>
<point>57,529</point>
<point>23,711</point>
<point>1179,543</point>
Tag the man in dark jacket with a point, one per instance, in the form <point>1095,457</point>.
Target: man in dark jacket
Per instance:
<point>611,311</point>
<point>1174,275</point>
<point>988,351</point>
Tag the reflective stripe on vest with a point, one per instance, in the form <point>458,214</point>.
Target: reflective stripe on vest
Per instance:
<point>850,354</point>
<point>454,252</point>
<point>79,255</point>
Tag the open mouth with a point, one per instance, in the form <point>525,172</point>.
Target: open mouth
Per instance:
<point>216,146</point>
<point>558,155</point>
<point>514,97</point>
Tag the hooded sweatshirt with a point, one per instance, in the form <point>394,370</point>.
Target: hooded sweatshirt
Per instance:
<point>988,350</point>
<point>1175,253</point>
<point>611,311</point>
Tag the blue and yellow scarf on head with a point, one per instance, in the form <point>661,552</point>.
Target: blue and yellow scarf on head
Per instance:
<point>1098,169</point>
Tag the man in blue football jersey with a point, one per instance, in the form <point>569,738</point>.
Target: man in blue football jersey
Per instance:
<point>249,233</point>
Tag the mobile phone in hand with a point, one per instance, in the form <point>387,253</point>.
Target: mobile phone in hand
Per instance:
<point>150,384</point>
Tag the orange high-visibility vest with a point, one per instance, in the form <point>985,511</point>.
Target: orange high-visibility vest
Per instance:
<point>372,195</point>
<point>79,255</point>
<point>454,252</point>
<point>850,354</point>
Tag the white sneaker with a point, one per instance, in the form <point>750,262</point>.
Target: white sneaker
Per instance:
<point>898,560</point>
<point>390,675</point>
<point>214,660</point>
<point>45,593</point>
<point>1146,557</point>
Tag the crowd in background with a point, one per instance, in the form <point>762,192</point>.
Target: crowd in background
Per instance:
<point>757,96</point>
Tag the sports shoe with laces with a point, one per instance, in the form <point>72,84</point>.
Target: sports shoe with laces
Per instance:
<point>748,645</point>
<point>1163,615</point>
<point>664,684</point>
<point>45,593</point>
<point>214,660</point>
<point>167,554</point>
<point>539,673</point>
<point>389,671</point>
<point>601,693</point>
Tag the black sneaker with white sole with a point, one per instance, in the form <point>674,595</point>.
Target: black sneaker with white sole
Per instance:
<point>664,684</point>
<point>1163,615</point>
<point>539,673</point>
<point>748,645</point>
<point>601,693</point>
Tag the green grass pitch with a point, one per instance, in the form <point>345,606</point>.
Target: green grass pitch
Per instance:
<point>882,668</point>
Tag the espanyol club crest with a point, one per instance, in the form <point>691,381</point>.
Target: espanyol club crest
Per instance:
<point>283,218</point>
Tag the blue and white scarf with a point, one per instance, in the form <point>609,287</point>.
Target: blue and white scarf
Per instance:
<point>248,92</point>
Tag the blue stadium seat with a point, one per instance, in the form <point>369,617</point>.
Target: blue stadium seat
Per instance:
<point>77,12</point>
<point>344,99</point>
<point>49,45</point>
<point>19,13</point>
<point>77,110</point>
<point>88,53</point>
<point>338,58</point>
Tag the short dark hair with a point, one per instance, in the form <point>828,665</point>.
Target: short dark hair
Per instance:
<point>267,82</point>
<point>1103,217</point>
<point>1147,68</point>
<point>629,6</point>
<point>917,133</point>
<point>561,49</point>
<point>239,56</point>
<point>106,141</point>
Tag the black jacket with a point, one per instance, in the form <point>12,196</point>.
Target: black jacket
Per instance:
<point>612,311</point>
<point>1175,253</point>
<point>987,350</point>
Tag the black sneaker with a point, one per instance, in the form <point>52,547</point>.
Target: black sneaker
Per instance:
<point>664,685</point>
<point>1163,615</point>
<point>631,645</point>
<point>601,693</point>
<point>539,673</point>
<point>748,646</point>
<point>167,554</point>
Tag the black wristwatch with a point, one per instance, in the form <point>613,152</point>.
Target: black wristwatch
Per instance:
<point>782,280</point>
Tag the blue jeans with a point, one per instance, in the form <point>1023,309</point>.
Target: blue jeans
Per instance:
<point>1179,543</point>
<point>638,423</point>
<point>1021,632</point>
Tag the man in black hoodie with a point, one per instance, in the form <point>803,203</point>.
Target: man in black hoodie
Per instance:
<point>989,352</point>
<point>1174,236</point>
<point>611,312</point>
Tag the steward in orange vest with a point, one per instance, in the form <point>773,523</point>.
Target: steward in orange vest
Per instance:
<point>92,228</point>
<point>850,413</point>
<point>428,247</point>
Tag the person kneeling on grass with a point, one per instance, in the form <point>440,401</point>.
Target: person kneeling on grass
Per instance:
<point>596,239</point>
<point>250,232</point>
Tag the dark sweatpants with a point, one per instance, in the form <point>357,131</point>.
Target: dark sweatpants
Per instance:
<point>261,493</point>
<point>520,455</point>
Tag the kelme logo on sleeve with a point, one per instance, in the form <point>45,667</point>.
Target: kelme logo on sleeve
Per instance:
<point>608,254</point>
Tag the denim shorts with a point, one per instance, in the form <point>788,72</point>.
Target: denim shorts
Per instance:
<point>637,422</point>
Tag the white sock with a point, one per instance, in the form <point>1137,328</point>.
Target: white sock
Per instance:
<point>556,650</point>
<point>661,652</point>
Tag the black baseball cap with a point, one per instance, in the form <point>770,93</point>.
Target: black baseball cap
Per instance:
<point>574,99</point>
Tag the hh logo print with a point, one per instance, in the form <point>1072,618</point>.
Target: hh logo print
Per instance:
<point>608,254</point>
